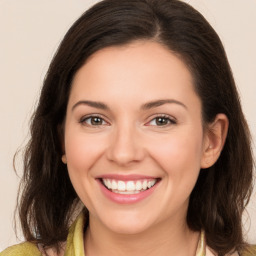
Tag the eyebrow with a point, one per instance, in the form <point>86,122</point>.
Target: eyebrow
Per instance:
<point>146,106</point>
<point>94,104</point>
<point>158,103</point>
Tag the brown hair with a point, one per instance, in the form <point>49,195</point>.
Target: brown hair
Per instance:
<point>222,191</point>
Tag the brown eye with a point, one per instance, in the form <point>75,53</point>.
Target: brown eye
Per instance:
<point>162,121</point>
<point>96,121</point>
<point>93,121</point>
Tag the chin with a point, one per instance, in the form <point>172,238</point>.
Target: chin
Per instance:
<point>128,228</point>
<point>126,224</point>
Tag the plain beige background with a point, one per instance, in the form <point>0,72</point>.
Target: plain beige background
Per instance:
<point>30,32</point>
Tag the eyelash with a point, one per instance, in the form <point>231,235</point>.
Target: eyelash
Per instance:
<point>170,120</point>
<point>85,118</point>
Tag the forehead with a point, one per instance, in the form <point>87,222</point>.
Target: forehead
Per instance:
<point>142,70</point>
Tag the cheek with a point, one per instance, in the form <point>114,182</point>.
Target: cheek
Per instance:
<point>179,159</point>
<point>82,152</point>
<point>79,147</point>
<point>179,156</point>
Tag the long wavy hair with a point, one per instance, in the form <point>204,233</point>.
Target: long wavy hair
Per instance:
<point>47,199</point>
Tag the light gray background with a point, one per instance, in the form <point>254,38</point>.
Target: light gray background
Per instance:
<point>30,32</point>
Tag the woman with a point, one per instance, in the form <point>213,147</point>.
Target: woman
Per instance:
<point>139,120</point>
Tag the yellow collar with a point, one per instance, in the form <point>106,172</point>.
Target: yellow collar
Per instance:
<point>75,243</point>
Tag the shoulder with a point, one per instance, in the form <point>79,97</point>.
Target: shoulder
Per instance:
<point>23,249</point>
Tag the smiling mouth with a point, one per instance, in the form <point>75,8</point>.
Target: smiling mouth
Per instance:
<point>128,187</point>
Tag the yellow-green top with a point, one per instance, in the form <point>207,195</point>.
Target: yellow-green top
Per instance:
<point>75,245</point>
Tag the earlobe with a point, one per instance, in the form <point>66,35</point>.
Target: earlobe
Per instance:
<point>64,159</point>
<point>215,137</point>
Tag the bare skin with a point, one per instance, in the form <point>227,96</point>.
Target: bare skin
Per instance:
<point>133,110</point>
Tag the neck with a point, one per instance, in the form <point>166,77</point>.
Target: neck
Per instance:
<point>177,240</point>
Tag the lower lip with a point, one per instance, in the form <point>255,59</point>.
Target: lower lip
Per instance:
<point>124,198</point>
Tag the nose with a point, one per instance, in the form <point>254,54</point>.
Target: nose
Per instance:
<point>125,146</point>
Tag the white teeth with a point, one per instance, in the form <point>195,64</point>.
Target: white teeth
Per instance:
<point>126,192</point>
<point>128,187</point>
<point>138,185</point>
<point>105,182</point>
<point>109,184</point>
<point>113,185</point>
<point>151,183</point>
<point>121,185</point>
<point>144,184</point>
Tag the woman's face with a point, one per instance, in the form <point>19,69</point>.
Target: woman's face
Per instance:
<point>133,137</point>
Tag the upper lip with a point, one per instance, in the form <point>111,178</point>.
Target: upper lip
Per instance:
<point>125,177</point>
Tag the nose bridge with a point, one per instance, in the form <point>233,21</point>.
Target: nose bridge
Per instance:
<point>125,146</point>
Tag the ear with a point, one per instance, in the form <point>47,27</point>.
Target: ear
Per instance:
<point>60,130</point>
<point>214,140</point>
<point>64,159</point>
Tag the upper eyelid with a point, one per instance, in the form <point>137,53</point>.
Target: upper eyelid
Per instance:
<point>172,121</point>
<point>162,115</point>
<point>84,117</point>
<point>152,117</point>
